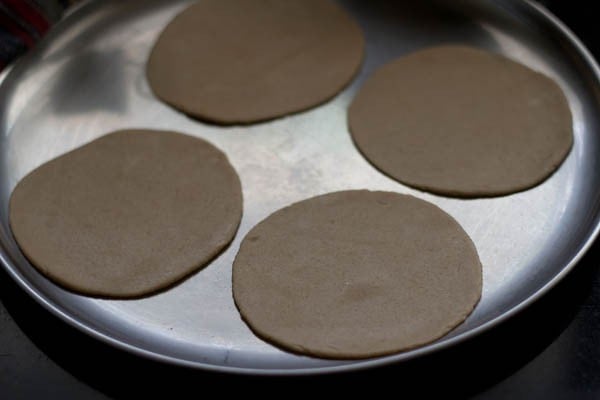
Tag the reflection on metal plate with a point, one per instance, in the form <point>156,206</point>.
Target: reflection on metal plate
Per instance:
<point>87,78</point>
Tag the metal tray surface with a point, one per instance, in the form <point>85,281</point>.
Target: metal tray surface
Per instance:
<point>87,78</point>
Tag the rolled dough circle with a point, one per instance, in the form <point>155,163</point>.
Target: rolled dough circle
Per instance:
<point>241,61</point>
<point>356,274</point>
<point>127,214</point>
<point>463,122</point>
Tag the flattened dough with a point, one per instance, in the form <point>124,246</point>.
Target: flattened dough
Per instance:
<point>356,274</point>
<point>242,61</point>
<point>127,214</point>
<point>462,122</point>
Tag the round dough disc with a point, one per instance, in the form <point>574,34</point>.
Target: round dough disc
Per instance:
<point>459,121</point>
<point>242,61</point>
<point>127,214</point>
<point>356,274</point>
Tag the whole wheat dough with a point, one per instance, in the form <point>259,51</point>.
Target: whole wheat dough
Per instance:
<point>356,274</point>
<point>459,121</point>
<point>127,214</point>
<point>242,61</point>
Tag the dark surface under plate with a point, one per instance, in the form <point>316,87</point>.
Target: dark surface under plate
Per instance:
<point>550,351</point>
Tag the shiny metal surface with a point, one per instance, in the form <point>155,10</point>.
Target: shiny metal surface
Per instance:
<point>87,78</point>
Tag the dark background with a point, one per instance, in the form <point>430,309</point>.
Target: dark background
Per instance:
<point>550,351</point>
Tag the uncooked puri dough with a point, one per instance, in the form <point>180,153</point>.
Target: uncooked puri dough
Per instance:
<point>459,121</point>
<point>242,61</point>
<point>356,274</point>
<point>127,214</point>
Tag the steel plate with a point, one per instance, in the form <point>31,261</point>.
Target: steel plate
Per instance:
<point>87,78</point>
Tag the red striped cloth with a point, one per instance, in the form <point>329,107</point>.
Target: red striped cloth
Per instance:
<point>24,22</point>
